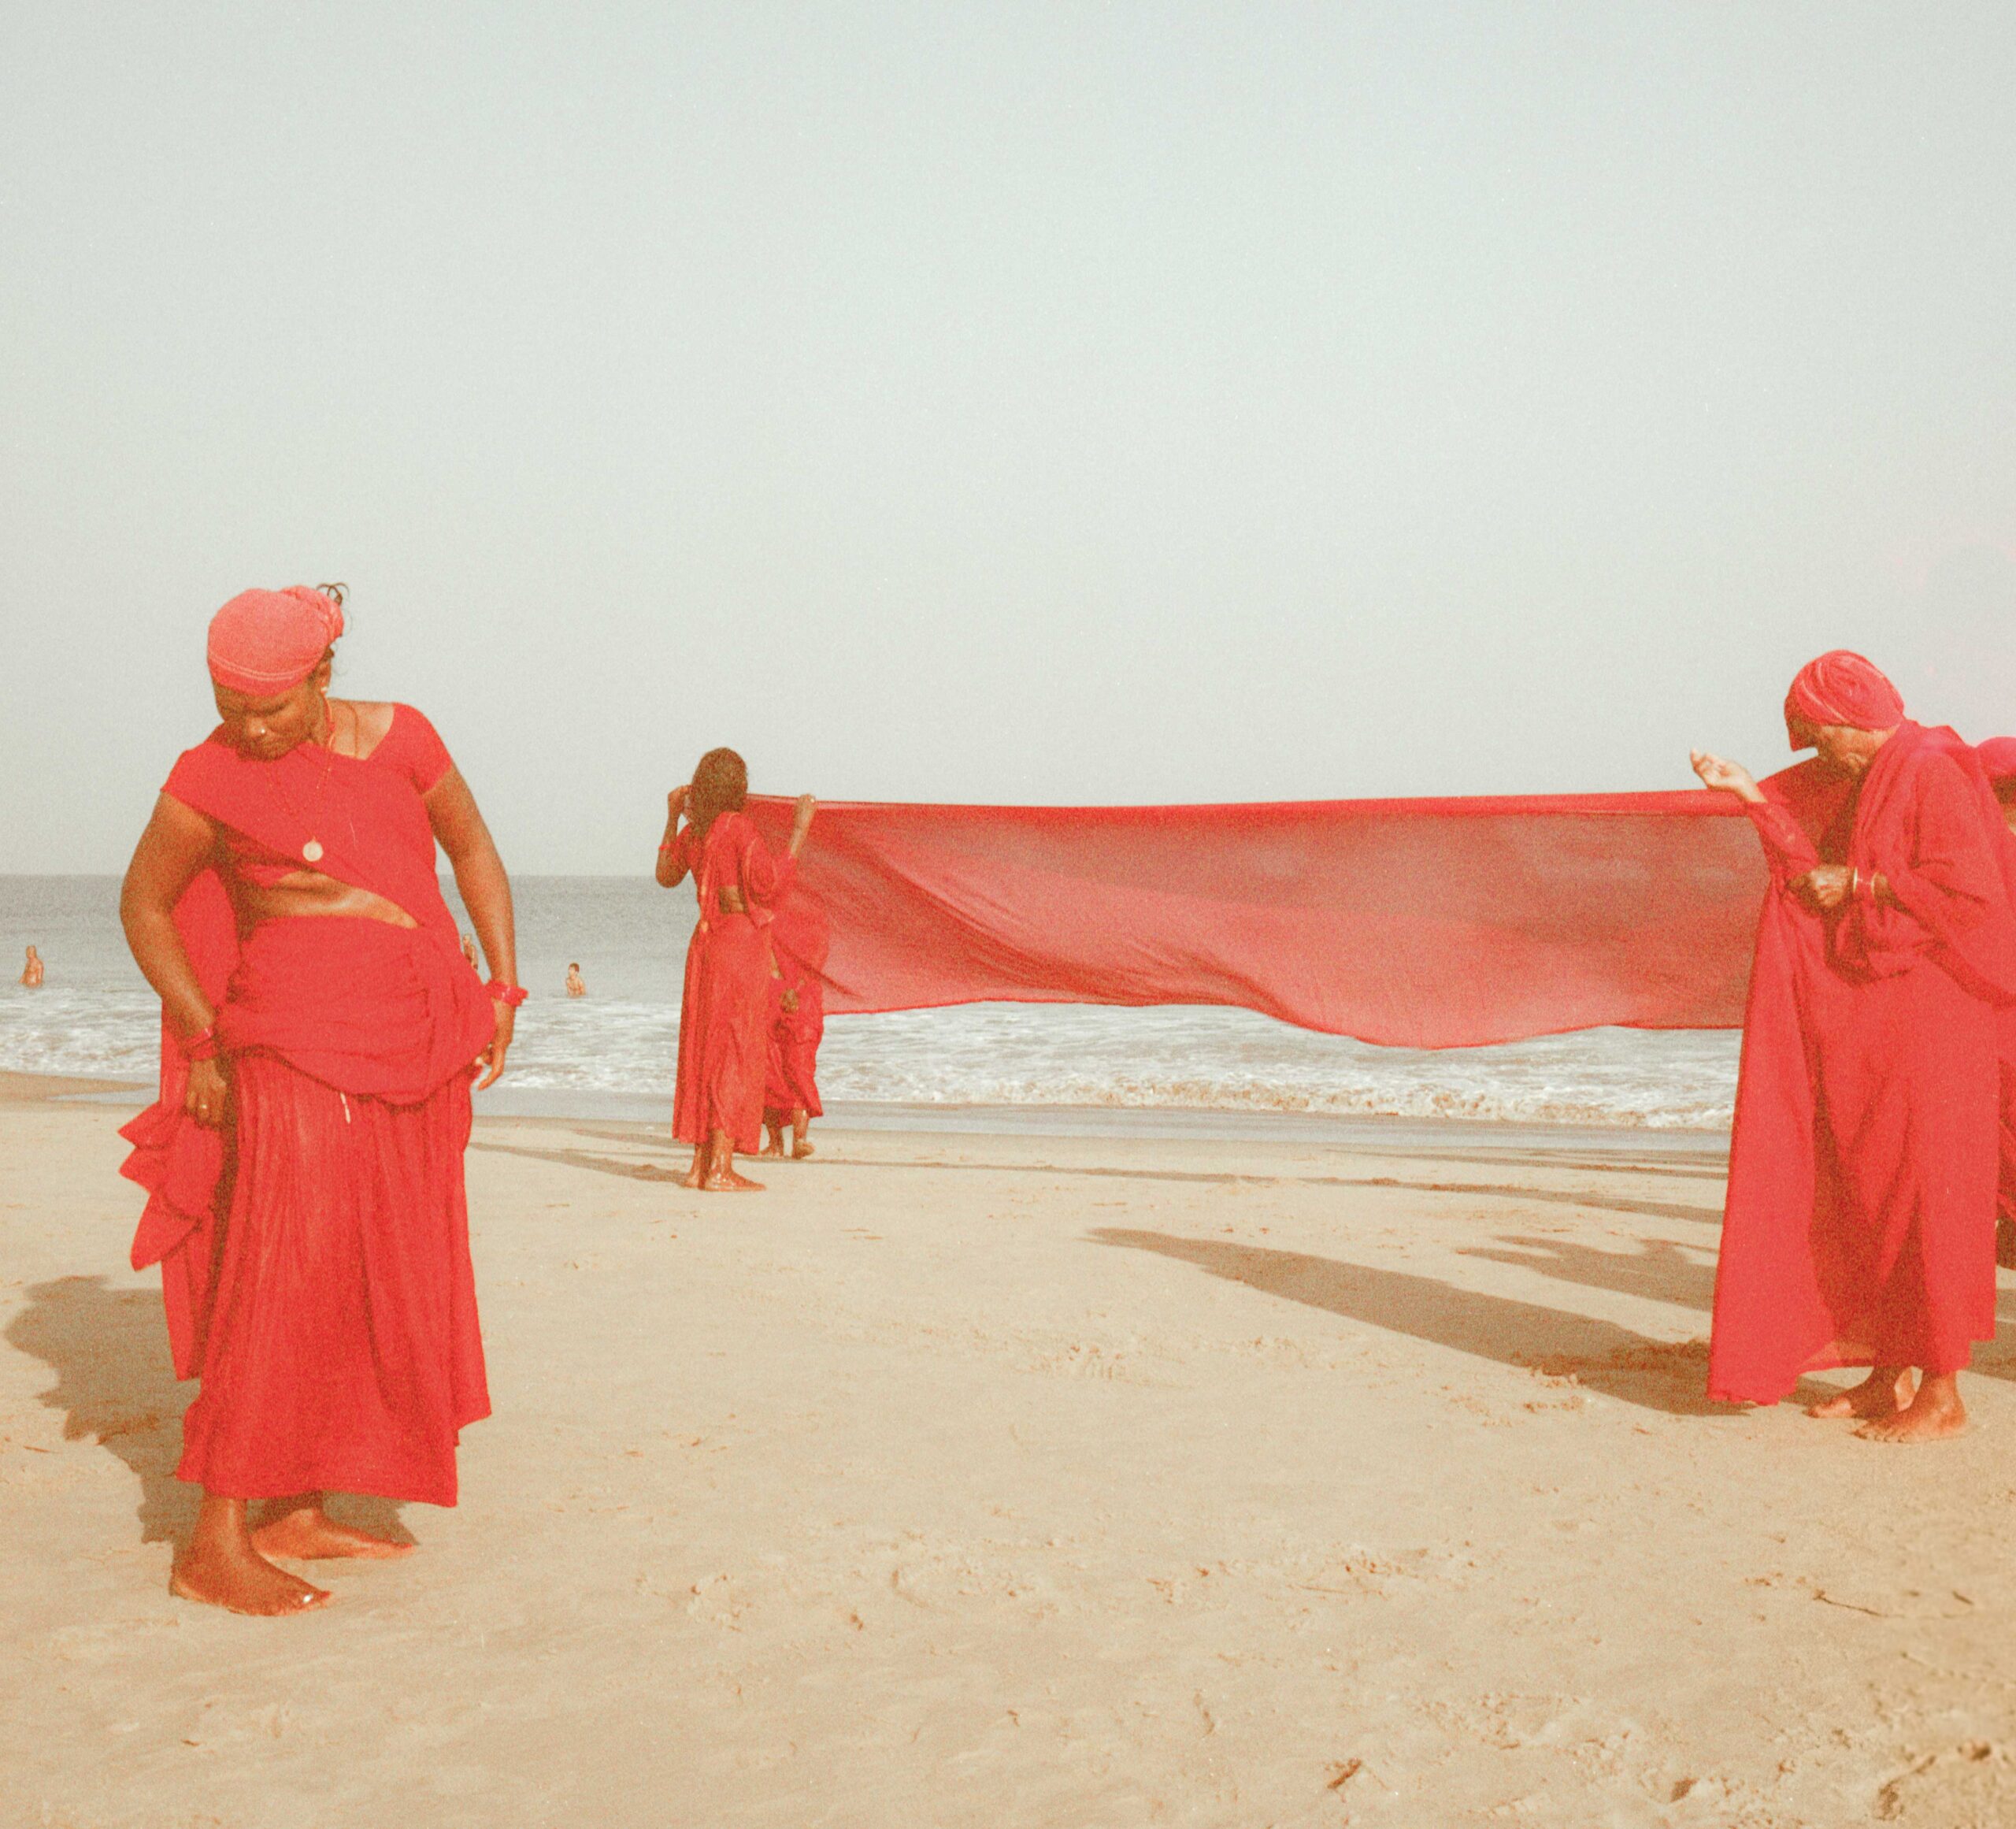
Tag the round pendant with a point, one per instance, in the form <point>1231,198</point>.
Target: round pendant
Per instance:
<point>312,851</point>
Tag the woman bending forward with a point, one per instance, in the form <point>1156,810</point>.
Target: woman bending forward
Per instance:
<point>321,1029</point>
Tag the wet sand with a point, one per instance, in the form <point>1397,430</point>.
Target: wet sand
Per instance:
<point>1012,1479</point>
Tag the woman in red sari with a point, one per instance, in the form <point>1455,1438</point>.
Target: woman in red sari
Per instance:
<point>304,1162</point>
<point>723,1015</point>
<point>1863,1166</point>
<point>799,941</point>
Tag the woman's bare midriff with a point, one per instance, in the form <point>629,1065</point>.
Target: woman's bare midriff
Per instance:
<point>731,901</point>
<point>308,893</point>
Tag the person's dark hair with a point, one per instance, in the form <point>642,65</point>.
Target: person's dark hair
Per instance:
<point>720,784</point>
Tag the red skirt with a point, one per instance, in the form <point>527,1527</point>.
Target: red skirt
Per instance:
<point>723,1034</point>
<point>342,1352</point>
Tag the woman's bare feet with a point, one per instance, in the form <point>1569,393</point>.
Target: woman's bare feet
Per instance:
<point>773,1144</point>
<point>304,1532</point>
<point>801,1149</point>
<point>1884,1393</point>
<point>220,1568</point>
<point>728,1182</point>
<point>1933,1415</point>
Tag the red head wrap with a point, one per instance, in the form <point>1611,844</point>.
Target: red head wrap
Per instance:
<point>263,642</point>
<point>1841,687</point>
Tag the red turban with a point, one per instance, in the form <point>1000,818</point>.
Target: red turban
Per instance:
<point>263,642</point>
<point>1841,687</point>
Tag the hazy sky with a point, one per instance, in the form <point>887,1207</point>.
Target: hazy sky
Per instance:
<point>1002,402</point>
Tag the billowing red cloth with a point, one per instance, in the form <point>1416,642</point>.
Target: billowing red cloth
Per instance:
<point>380,1023</point>
<point>1417,923</point>
<point>264,642</point>
<point>724,1013</point>
<point>1841,687</point>
<point>1859,1227</point>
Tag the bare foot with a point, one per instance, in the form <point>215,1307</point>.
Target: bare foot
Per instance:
<point>775,1148</point>
<point>728,1182</point>
<point>1884,1393</point>
<point>242,1584</point>
<point>1933,1415</point>
<point>308,1534</point>
<point>800,1150</point>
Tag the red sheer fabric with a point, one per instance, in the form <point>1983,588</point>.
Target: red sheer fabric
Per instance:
<point>350,1043</point>
<point>1417,923</point>
<point>724,1014</point>
<point>1864,1161</point>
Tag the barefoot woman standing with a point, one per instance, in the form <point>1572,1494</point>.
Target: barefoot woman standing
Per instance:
<point>305,1161</point>
<point>1860,1227</point>
<point>723,1015</point>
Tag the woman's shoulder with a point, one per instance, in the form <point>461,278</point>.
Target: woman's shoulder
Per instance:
<point>401,736</point>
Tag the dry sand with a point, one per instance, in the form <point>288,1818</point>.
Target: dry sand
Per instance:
<point>1004,1481</point>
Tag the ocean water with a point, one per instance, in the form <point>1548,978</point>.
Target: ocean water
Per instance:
<point>94,1016</point>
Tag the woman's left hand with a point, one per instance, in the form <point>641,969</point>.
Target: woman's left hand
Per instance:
<point>491,1062</point>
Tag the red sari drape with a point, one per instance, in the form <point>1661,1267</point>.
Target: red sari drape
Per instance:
<point>799,941</point>
<point>724,1012</point>
<point>315,1255</point>
<point>1864,1162</point>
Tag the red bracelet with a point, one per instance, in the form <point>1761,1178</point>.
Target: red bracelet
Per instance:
<point>203,1047</point>
<point>510,996</point>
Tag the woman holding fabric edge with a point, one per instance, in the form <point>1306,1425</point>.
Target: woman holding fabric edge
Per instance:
<point>1864,1161</point>
<point>321,1031</point>
<point>723,1011</point>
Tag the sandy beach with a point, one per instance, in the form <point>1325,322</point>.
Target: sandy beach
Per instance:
<point>1011,1479</point>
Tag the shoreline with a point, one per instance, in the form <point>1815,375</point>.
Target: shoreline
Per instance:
<point>1171,1123</point>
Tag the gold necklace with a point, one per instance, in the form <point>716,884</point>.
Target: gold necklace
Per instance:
<point>312,850</point>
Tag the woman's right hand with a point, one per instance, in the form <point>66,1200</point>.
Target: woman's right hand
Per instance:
<point>675,803</point>
<point>209,1093</point>
<point>1726,777</point>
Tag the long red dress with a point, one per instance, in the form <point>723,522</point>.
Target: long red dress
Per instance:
<point>1863,1167</point>
<point>800,938</point>
<point>315,1256</point>
<point>724,1014</point>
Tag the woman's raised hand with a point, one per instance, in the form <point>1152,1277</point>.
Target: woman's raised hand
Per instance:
<point>675,802</point>
<point>802,822</point>
<point>1726,777</point>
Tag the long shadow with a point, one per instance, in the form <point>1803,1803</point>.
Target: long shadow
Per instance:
<point>580,1158</point>
<point>1654,1374</point>
<point>632,1170</point>
<point>116,1382</point>
<point>1704,1164</point>
<point>1658,1270</point>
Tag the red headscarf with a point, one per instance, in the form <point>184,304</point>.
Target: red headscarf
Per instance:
<point>1841,687</point>
<point>263,642</point>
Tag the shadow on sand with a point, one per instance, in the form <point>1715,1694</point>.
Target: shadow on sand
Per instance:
<point>115,1384</point>
<point>1654,1375</point>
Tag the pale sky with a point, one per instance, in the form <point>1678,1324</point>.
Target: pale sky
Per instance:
<point>1080,403</point>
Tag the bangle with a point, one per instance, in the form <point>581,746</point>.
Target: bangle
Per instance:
<point>667,848</point>
<point>510,996</point>
<point>203,1047</point>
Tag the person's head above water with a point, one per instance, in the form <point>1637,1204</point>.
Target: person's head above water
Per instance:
<point>1843,707</point>
<point>720,784</point>
<point>270,653</point>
